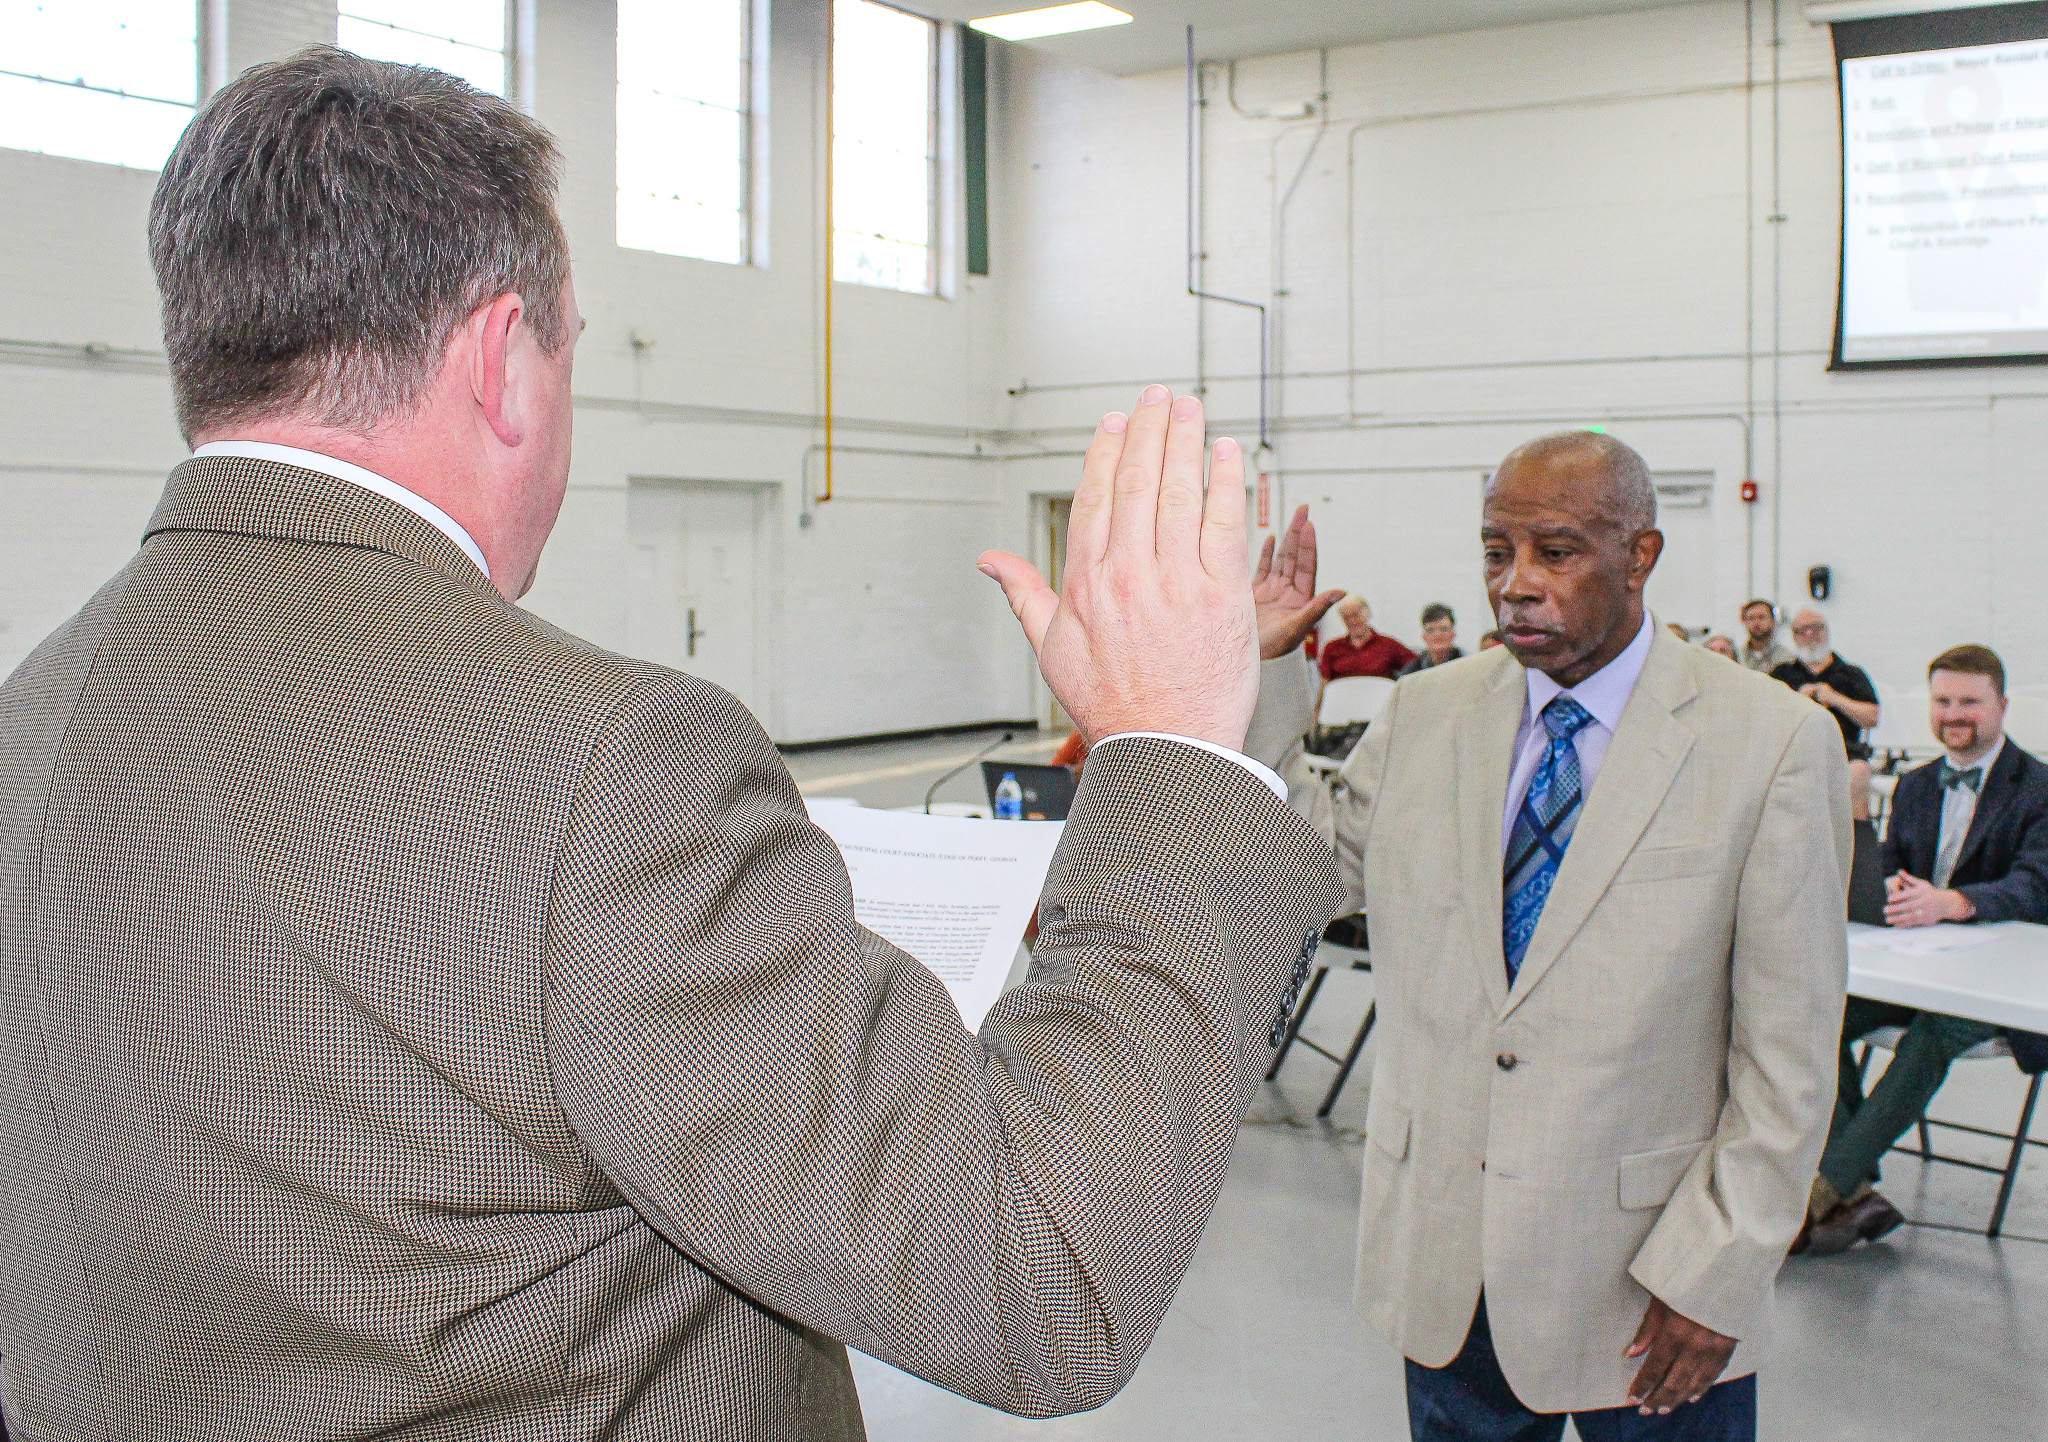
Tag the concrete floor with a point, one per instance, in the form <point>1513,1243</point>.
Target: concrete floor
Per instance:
<point>1936,1334</point>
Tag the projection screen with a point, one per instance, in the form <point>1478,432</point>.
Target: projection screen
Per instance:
<point>1944,188</point>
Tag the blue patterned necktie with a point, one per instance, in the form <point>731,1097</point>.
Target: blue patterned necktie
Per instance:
<point>1543,829</point>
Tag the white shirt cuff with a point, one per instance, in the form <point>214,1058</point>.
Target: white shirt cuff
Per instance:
<point>1266,774</point>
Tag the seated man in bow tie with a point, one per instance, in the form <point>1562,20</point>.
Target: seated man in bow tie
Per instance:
<point>1968,842</point>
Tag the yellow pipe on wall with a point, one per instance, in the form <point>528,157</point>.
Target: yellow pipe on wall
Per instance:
<point>831,155</point>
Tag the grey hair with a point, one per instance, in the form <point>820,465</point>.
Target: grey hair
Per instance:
<point>1631,495</point>
<point>325,224</point>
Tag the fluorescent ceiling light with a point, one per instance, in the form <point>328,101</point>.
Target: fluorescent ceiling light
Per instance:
<point>1825,12</point>
<point>1052,20</point>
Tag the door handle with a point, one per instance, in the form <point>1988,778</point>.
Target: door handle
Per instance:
<point>693,634</point>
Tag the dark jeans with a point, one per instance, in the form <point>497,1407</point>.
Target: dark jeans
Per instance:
<point>1866,1126</point>
<point>1470,1401</point>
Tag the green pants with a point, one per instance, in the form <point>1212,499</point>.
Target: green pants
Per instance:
<point>1866,1126</point>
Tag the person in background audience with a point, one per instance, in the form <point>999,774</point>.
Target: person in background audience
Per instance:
<point>1721,646</point>
<point>1490,640</point>
<point>1817,673</point>
<point>1763,651</point>
<point>1362,651</point>
<point>1439,639</point>
<point>1968,842</point>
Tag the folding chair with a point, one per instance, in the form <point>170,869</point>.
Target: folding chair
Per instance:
<point>1887,1037</point>
<point>1344,942</point>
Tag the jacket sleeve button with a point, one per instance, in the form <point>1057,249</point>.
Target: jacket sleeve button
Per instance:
<point>1506,1061</point>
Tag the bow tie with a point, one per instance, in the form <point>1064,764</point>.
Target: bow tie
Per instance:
<point>1972,778</point>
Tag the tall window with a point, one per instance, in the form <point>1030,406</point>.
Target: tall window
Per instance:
<point>683,127</point>
<point>462,37</point>
<point>884,146</point>
<point>107,80</point>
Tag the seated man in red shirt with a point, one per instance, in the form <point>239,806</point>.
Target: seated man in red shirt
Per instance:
<point>1362,651</point>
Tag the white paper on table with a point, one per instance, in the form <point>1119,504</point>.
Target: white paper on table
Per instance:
<point>955,893</point>
<point>1925,940</point>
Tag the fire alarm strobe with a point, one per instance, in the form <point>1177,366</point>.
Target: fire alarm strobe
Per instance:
<point>1749,492</point>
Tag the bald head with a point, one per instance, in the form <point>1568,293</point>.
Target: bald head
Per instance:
<point>1570,535</point>
<point>1623,495</point>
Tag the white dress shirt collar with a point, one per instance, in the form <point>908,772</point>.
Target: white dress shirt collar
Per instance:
<point>1605,693</point>
<point>420,506</point>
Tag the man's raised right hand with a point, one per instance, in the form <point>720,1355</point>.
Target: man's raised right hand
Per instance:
<point>1153,626</point>
<point>1284,590</point>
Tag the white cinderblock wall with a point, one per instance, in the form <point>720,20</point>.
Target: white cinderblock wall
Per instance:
<point>1549,225</point>
<point>1496,234</point>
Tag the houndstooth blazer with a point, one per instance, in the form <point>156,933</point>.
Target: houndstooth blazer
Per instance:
<point>418,1023</point>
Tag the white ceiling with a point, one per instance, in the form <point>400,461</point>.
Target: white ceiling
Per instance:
<point>1235,29</point>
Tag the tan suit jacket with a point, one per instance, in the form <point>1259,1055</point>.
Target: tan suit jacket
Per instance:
<point>1642,1112</point>
<point>418,1023</point>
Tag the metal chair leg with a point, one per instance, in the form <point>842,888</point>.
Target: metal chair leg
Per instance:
<point>1350,1060</point>
<point>2019,1147</point>
<point>1926,1146</point>
<point>1308,999</point>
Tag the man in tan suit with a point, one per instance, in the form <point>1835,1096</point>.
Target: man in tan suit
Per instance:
<point>1604,875</point>
<point>416,1022</point>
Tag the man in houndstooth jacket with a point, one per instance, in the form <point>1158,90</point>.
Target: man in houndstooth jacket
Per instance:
<point>416,1022</point>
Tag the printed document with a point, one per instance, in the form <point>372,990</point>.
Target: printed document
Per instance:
<point>1925,940</point>
<point>954,892</point>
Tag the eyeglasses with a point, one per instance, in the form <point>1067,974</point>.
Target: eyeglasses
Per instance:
<point>1809,630</point>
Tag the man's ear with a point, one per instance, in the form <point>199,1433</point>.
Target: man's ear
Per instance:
<point>1643,553</point>
<point>497,326</point>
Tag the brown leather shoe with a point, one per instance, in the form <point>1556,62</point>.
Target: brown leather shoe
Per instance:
<point>1866,1219</point>
<point>1875,1217</point>
<point>1833,1233</point>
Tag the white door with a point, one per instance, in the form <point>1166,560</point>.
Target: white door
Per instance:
<point>1681,589</point>
<point>694,553</point>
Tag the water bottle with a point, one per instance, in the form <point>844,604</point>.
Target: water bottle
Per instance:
<point>1009,799</point>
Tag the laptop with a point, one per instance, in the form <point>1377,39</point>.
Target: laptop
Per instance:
<point>1048,790</point>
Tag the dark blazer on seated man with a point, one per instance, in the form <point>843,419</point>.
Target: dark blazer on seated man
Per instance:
<point>2003,865</point>
<point>1968,842</point>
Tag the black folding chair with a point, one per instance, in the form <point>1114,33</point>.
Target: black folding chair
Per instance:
<point>1888,1038</point>
<point>1344,942</point>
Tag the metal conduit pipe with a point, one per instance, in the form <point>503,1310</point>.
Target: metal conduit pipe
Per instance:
<point>1280,203</point>
<point>1749,274</point>
<point>1026,388</point>
<point>1195,102</point>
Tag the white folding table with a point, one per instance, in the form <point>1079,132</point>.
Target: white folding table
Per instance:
<point>2002,982</point>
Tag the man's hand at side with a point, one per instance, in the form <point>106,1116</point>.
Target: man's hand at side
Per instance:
<point>1284,590</point>
<point>1681,1360</point>
<point>1152,628</point>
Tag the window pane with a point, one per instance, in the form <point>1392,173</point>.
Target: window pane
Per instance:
<point>692,48</point>
<point>469,22</point>
<point>107,80</point>
<point>463,37</point>
<point>683,127</point>
<point>882,155</point>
